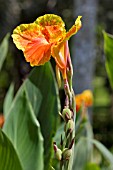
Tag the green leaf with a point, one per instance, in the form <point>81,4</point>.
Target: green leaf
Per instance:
<point>108,49</point>
<point>42,95</point>
<point>3,50</point>
<point>23,129</point>
<point>44,79</point>
<point>92,166</point>
<point>8,156</point>
<point>80,154</point>
<point>104,151</point>
<point>8,100</point>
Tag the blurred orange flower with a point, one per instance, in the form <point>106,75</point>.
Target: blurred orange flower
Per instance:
<point>1,120</point>
<point>85,97</point>
<point>45,37</point>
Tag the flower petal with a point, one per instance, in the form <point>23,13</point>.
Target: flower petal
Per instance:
<point>52,27</point>
<point>59,53</point>
<point>75,28</point>
<point>24,34</point>
<point>49,20</point>
<point>38,51</point>
<point>32,42</point>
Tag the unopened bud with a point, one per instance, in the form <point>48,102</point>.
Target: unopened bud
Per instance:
<point>58,76</point>
<point>70,126</point>
<point>66,114</point>
<point>58,152</point>
<point>67,154</point>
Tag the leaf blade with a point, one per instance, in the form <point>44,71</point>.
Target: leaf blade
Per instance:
<point>3,50</point>
<point>23,130</point>
<point>8,100</point>
<point>8,156</point>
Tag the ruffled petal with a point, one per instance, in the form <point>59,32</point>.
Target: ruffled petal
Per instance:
<point>52,27</point>
<point>24,34</point>
<point>38,51</point>
<point>49,20</point>
<point>29,39</point>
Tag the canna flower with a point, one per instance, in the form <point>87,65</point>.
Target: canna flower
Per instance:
<point>44,38</point>
<point>85,97</point>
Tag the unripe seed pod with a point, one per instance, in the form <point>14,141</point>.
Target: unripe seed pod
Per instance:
<point>66,154</point>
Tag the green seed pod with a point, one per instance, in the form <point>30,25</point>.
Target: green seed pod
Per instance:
<point>66,154</point>
<point>66,114</point>
<point>58,154</point>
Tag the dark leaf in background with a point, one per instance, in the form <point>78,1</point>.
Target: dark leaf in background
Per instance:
<point>108,48</point>
<point>8,100</point>
<point>3,50</point>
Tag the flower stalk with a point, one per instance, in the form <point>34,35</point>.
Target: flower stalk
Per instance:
<point>68,115</point>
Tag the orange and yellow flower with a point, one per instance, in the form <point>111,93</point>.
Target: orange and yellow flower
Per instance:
<point>44,38</point>
<point>86,98</point>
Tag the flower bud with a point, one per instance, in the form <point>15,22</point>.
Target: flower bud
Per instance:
<point>66,154</point>
<point>70,126</point>
<point>58,154</point>
<point>66,114</point>
<point>58,76</point>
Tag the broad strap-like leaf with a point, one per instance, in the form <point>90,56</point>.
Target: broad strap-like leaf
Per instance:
<point>42,95</point>
<point>3,50</point>
<point>81,158</point>
<point>104,151</point>
<point>108,49</point>
<point>80,154</point>
<point>23,129</point>
<point>8,157</point>
<point>8,100</point>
